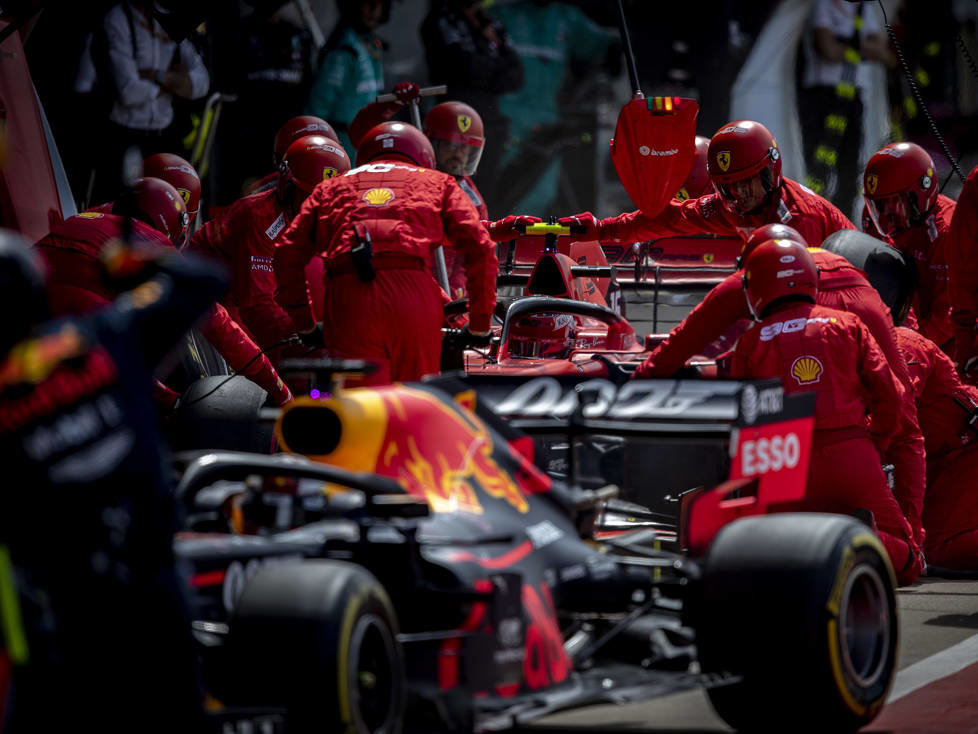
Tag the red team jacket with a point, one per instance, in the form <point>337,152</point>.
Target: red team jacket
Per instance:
<point>962,246</point>
<point>243,238</point>
<point>926,247</point>
<point>800,345</point>
<point>799,207</point>
<point>75,285</point>
<point>407,211</point>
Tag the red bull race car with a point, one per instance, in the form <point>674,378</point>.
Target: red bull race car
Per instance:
<point>407,564</point>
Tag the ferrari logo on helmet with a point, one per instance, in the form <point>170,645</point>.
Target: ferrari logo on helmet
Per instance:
<point>723,159</point>
<point>329,172</point>
<point>806,370</point>
<point>464,123</point>
<point>185,195</point>
<point>872,181</point>
<point>378,197</point>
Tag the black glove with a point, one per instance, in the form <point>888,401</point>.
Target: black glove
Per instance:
<point>313,339</point>
<point>463,339</point>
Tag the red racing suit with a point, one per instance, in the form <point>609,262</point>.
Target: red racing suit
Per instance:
<point>926,247</point>
<point>244,240</point>
<point>841,286</point>
<point>75,286</point>
<point>798,206</point>
<point>809,348</point>
<point>948,412</point>
<point>453,261</point>
<point>394,319</point>
<point>961,251</point>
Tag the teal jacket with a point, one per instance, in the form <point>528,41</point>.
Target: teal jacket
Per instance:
<point>350,77</point>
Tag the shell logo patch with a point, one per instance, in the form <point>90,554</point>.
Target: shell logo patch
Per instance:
<point>807,370</point>
<point>185,195</point>
<point>329,172</point>
<point>723,159</point>
<point>464,123</point>
<point>872,181</point>
<point>378,197</point>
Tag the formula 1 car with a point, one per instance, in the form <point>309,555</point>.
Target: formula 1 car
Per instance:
<point>408,562</point>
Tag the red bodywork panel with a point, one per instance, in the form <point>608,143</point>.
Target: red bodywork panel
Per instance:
<point>29,199</point>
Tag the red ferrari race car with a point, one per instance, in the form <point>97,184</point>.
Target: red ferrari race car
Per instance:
<point>408,565</point>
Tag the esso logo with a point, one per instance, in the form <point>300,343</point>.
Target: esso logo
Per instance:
<point>769,454</point>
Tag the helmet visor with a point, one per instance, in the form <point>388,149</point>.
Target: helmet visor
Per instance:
<point>456,158</point>
<point>743,196</point>
<point>890,214</point>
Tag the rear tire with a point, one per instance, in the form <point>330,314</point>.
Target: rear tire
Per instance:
<point>320,639</point>
<point>802,607</point>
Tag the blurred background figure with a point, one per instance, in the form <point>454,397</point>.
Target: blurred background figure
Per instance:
<point>470,51</point>
<point>547,36</point>
<point>134,70</point>
<point>274,61</point>
<point>842,41</point>
<point>350,72</point>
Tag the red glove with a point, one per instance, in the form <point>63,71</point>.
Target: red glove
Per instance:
<point>511,227</point>
<point>583,227</point>
<point>406,92</point>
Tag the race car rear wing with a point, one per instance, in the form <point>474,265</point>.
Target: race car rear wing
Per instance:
<point>705,449</point>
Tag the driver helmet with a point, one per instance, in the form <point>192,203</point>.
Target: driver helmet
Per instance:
<point>543,336</point>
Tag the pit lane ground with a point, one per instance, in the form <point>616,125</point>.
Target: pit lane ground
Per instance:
<point>934,691</point>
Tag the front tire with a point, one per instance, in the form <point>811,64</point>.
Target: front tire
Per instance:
<point>801,607</point>
<point>320,639</point>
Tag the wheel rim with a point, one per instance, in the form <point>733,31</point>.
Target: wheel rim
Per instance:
<point>865,626</point>
<point>373,675</point>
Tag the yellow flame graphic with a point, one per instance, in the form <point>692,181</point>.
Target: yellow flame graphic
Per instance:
<point>806,370</point>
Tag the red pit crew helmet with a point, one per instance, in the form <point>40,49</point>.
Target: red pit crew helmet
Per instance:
<point>745,166</point>
<point>899,186</point>
<point>311,160</point>
<point>180,175</point>
<point>158,204</point>
<point>299,127</point>
<point>778,269</point>
<point>543,336</point>
<point>765,233</point>
<point>396,140</point>
<point>457,135</point>
<point>698,181</point>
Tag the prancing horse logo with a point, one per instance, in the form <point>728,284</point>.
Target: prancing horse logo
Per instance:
<point>723,159</point>
<point>464,123</point>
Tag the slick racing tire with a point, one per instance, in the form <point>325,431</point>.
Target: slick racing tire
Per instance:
<point>800,609</point>
<point>319,638</point>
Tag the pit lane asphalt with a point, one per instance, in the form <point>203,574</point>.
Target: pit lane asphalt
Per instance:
<point>934,690</point>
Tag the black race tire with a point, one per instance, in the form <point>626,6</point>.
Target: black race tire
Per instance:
<point>801,607</point>
<point>319,638</point>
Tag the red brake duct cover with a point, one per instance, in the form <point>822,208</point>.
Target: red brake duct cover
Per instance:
<point>654,149</point>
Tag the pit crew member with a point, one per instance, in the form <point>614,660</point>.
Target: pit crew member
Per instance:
<point>744,164</point>
<point>244,239</point>
<point>810,347</point>
<point>104,623</point>
<point>900,189</point>
<point>157,214</point>
<point>375,228</point>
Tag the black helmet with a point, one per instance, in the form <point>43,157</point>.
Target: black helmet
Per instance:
<point>22,294</point>
<point>886,268</point>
